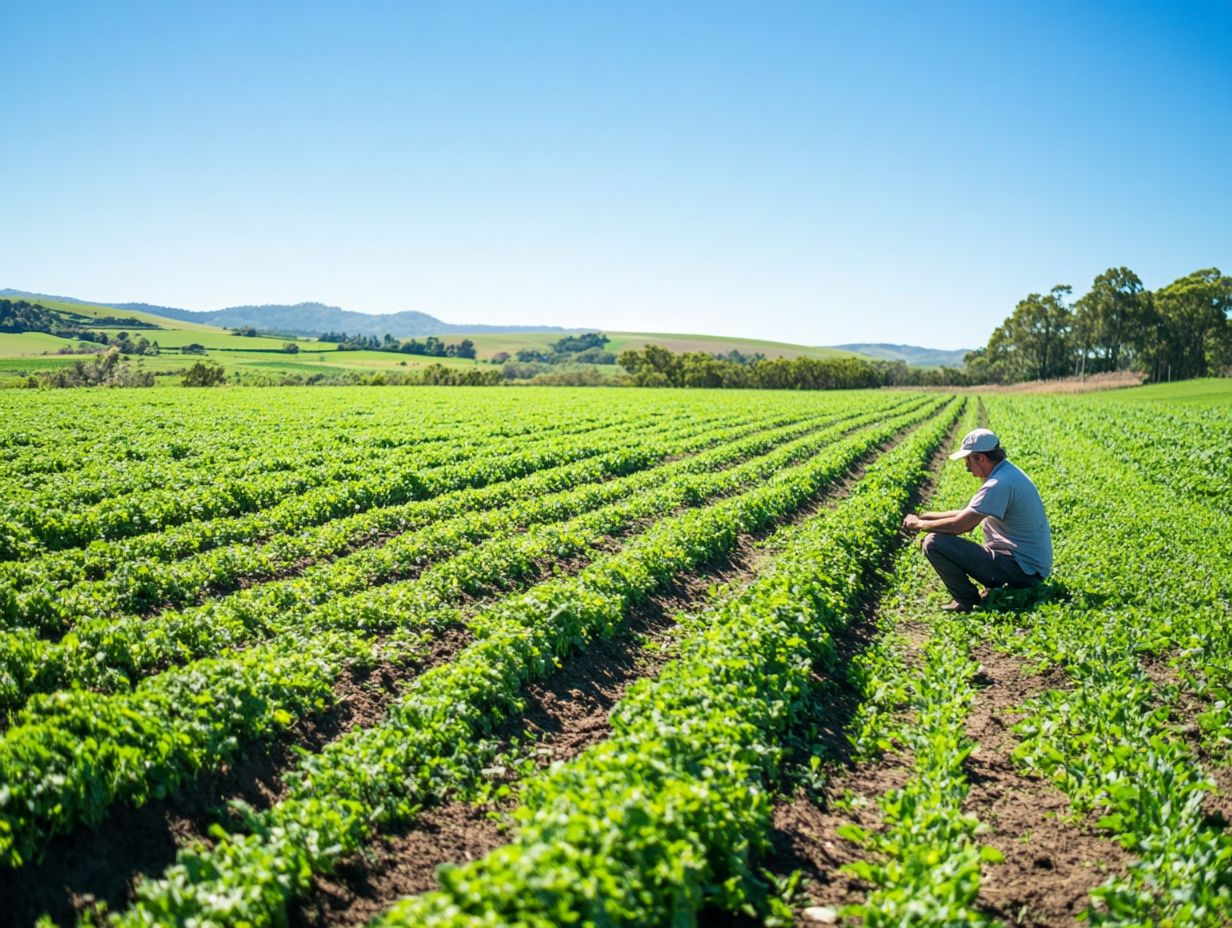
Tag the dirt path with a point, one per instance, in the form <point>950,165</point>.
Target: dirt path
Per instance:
<point>1050,859</point>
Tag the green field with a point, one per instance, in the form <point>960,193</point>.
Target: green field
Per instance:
<point>606,653</point>
<point>30,344</point>
<point>1210,391</point>
<point>25,364</point>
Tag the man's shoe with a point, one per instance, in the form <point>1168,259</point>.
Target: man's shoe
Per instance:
<point>956,606</point>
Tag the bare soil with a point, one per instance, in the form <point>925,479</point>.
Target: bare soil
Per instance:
<point>1052,860</point>
<point>1185,709</point>
<point>1109,381</point>
<point>401,862</point>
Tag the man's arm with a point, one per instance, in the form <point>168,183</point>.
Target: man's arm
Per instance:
<point>954,522</point>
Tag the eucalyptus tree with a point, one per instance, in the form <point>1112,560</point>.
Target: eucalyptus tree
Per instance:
<point>1111,321</point>
<point>1034,342</point>
<point>1193,333</point>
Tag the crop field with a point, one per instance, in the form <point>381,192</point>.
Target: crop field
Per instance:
<point>549,656</point>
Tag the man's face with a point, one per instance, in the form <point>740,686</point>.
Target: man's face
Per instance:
<point>978,465</point>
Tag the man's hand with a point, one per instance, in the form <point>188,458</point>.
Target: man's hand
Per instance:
<point>954,522</point>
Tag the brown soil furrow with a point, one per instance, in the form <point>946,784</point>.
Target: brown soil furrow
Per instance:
<point>982,416</point>
<point>103,863</point>
<point>1185,706</point>
<point>563,716</point>
<point>396,864</point>
<point>1052,861</point>
<point>804,836</point>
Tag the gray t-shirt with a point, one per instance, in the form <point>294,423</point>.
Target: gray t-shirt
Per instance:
<point>1015,519</point>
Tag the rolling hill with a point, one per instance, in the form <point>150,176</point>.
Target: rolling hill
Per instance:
<point>305,318</point>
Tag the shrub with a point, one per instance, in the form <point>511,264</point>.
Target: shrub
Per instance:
<point>204,375</point>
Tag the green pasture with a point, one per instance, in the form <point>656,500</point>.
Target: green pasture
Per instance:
<point>22,366</point>
<point>264,353</point>
<point>1207,391</point>
<point>174,337</point>
<point>171,333</point>
<point>28,344</point>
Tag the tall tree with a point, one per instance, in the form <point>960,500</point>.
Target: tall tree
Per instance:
<point>1193,331</point>
<point>1110,322</point>
<point>1033,342</point>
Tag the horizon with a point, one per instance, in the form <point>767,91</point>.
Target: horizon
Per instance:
<point>804,174</point>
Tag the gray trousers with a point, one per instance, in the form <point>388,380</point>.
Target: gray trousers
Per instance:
<point>958,560</point>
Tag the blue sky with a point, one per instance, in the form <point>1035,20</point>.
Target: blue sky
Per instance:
<point>811,172</point>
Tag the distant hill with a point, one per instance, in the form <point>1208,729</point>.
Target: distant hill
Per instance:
<point>307,319</point>
<point>914,356</point>
<point>311,319</point>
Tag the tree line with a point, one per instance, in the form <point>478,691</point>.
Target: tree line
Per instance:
<point>586,348</point>
<point>1174,333</point>
<point>433,347</point>
<point>656,366</point>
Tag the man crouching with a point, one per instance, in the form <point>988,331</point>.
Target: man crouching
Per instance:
<point>1017,548</point>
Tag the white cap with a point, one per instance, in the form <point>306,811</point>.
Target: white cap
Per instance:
<point>976,440</point>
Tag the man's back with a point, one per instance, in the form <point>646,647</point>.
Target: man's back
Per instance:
<point>1015,519</point>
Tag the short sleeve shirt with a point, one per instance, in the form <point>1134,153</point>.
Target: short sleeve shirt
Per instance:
<point>1015,521</point>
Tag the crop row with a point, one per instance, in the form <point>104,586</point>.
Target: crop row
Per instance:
<point>924,865</point>
<point>671,813</point>
<point>181,469</point>
<point>112,653</point>
<point>51,592</point>
<point>431,737</point>
<point>54,570</point>
<point>120,516</point>
<point>218,452</point>
<point>77,779</point>
<point>43,435</point>
<point>404,473</point>
<point>1185,450</point>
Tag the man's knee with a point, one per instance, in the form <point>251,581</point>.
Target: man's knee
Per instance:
<point>932,544</point>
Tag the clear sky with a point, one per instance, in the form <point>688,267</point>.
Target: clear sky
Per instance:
<point>816,172</point>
